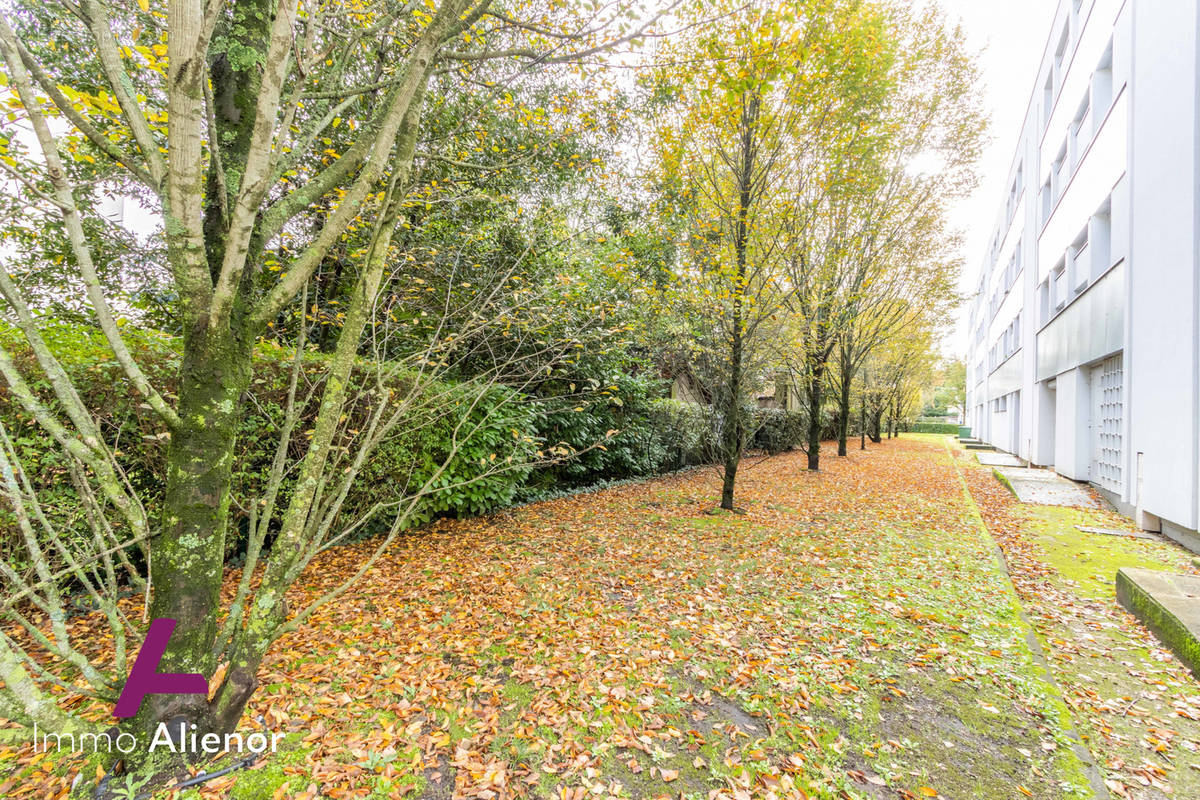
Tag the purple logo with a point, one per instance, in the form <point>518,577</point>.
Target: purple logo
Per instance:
<point>144,677</point>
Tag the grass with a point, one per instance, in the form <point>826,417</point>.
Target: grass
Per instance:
<point>1136,708</point>
<point>1091,560</point>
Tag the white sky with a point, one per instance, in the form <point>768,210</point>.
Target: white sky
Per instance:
<point>1008,36</point>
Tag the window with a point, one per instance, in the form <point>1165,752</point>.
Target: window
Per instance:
<point>1048,99</point>
<point>1100,238</point>
<point>1014,196</point>
<point>1078,261</point>
<point>1102,87</point>
<point>1059,284</point>
<point>1075,22</point>
<point>1054,78</point>
<point>1006,344</point>
<point>1057,176</point>
<point>1080,133</point>
<point>1087,258</point>
<point>1060,53</point>
<point>1007,279</point>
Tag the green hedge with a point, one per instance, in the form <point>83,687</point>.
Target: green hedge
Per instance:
<point>497,438</point>
<point>686,433</point>
<point>933,427</point>
<point>623,430</point>
<point>776,430</point>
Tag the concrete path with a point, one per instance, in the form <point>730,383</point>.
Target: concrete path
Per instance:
<point>998,459</point>
<point>1046,487</point>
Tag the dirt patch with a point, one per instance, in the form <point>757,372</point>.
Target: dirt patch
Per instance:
<point>717,713</point>
<point>439,781</point>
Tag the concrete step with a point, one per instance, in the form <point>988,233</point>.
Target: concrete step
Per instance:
<point>1045,487</point>
<point>1169,605</point>
<point>978,446</point>
<point>997,458</point>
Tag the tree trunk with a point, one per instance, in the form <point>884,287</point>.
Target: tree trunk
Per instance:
<point>733,431</point>
<point>189,556</point>
<point>843,414</point>
<point>815,380</point>
<point>895,415</point>
<point>862,423</point>
<point>731,445</point>
<point>189,559</point>
<point>732,460</point>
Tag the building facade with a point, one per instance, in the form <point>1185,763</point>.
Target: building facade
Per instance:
<point>1084,350</point>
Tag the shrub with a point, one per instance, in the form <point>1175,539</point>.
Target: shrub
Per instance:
<point>488,437</point>
<point>497,441</point>
<point>626,430</point>
<point>685,431</point>
<point>776,430</point>
<point>483,471</point>
<point>932,427</point>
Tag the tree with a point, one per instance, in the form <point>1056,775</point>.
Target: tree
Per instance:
<point>222,115</point>
<point>743,115</point>
<point>868,237</point>
<point>893,376</point>
<point>921,280</point>
<point>950,385</point>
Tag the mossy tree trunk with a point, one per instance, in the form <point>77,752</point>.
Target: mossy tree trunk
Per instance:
<point>189,555</point>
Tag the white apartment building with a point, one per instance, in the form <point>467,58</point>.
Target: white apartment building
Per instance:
<point>1085,332</point>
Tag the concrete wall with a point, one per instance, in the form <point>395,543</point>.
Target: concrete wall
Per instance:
<point>1045,431</point>
<point>1161,373</point>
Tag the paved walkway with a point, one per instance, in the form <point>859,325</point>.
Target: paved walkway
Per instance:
<point>998,459</point>
<point>1046,487</point>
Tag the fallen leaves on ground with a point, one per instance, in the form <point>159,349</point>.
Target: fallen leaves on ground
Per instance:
<point>851,635</point>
